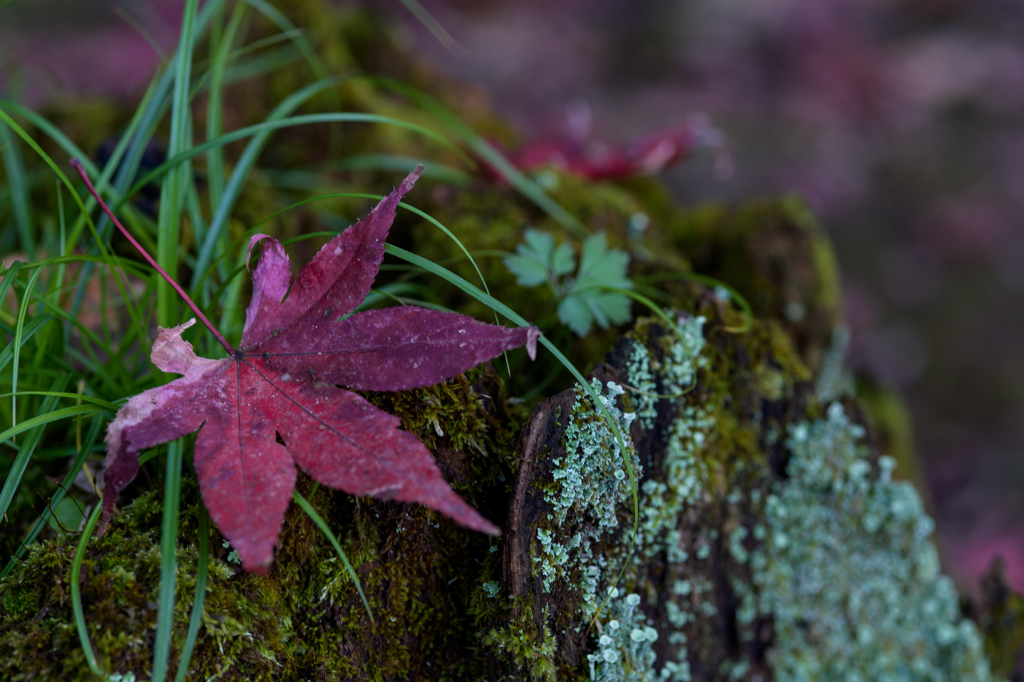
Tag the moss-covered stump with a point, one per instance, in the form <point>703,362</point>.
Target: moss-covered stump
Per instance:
<point>774,537</point>
<point>772,542</point>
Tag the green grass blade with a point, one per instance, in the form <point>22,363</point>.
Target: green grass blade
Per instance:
<point>228,312</point>
<point>299,39</point>
<point>141,30</point>
<point>77,324</point>
<point>195,212</point>
<point>292,121</point>
<point>257,66</point>
<point>150,111</point>
<point>396,291</point>
<point>130,144</point>
<point>378,197</point>
<point>741,301</point>
<point>436,223</point>
<point>141,129</point>
<point>168,562</point>
<point>436,29</point>
<point>55,415</point>
<point>92,400</point>
<point>504,310</point>
<point>33,532</point>
<point>494,158</point>
<point>101,177</point>
<point>241,171</point>
<point>136,319</point>
<point>214,107</point>
<point>196,619</point>
<point>18,186</point>
<point>173,189</point>
<point>266,42</point>
<point>27,448</point>
<point>137,268</point>
<point>10,275</point>
<point>326,530</point>
<point>29,330</point>
<point>54,133</point>
<point>76,593</point>
<point>643,300</point>
<point>400,164</point>
<point>136,139</point>
<point>18,332</point>
<point>58,281</point>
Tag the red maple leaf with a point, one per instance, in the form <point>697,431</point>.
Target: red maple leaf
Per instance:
<point>282,386</point>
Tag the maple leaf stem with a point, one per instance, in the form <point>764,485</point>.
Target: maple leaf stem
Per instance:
<point>77,165</point>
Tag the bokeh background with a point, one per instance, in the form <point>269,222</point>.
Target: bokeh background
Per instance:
<point>900,121</point>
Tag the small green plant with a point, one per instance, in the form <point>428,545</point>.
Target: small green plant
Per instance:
<point>594,295</point>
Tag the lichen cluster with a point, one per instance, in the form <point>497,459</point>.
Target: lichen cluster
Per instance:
<point>778,547</point>
<point>849,573</point>
<point>591,483</point>
<point>623,635</point>
<point>685,476</point>
<point>624,643</point>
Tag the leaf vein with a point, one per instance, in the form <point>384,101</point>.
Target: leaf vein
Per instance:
<point>305,409</point>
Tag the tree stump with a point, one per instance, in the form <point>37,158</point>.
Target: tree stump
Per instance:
<point>733,509</point>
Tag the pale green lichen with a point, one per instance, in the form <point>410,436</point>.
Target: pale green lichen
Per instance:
<point>834,380</point>
<point>685,355</point>
<point>118,677</point>
<point>591,483</point>
<point>645,391</point>
<point>849,573</point>
<point>625,641</point>
<point>592,473</point>
<point>232,555</point>
<point>685,477</point>
<point>665,497</point>
<point>625,652</point>
<point>837,556</point>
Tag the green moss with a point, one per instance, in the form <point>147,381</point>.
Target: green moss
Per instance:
<point>527,651</point>
<point>304,620</point>
<point>1000,617</point>
<point>889,423</point>
<point>776,255</point>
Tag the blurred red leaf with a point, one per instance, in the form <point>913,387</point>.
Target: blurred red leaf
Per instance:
<point>579,154</point>
<point>276,402</point>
